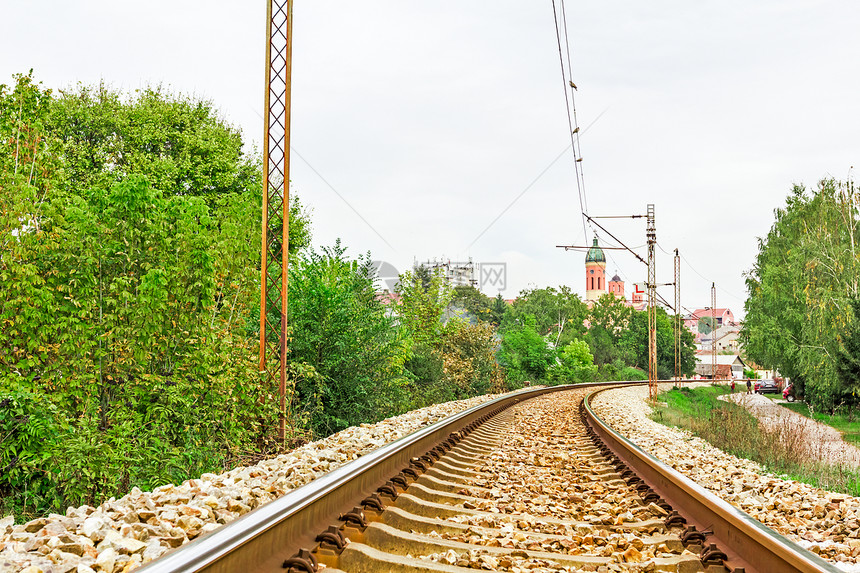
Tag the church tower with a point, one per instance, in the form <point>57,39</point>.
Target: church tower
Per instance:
<point>595,272</point>
<point>616,286</point>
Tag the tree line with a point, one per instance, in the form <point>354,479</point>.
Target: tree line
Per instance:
<point>803,305</point>
<point>129,308</point>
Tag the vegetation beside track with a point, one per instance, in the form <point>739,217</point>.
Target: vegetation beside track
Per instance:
<point>845,422</point>
<point>129,309</point>
<point>803,309</point>
<point>733,429</point>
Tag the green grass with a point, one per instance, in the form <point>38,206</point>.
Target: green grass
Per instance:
<point>734,430</point>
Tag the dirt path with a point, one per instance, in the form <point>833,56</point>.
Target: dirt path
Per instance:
<point>820,441</point>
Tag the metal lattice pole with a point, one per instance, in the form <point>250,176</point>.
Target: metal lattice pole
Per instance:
<point>713,331</point>
<point>652,305</point>
<point>276,201</point>
<point>678,323</point>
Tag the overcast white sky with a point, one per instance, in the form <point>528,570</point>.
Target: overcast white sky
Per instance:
<point>430,118</point>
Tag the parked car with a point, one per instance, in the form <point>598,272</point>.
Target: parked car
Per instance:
<point>788,393</point>
<point>766,387</point>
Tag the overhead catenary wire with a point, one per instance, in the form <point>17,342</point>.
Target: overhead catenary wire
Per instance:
<point>570,107</point>
<point>575,132</point>
<point>617,240</point>
<point>710,280</point>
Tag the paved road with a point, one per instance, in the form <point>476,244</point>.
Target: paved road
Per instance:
<point>820,441</point>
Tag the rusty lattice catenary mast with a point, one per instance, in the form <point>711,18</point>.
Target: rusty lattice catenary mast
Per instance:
<point>276,202</point>
<point>651,234</point>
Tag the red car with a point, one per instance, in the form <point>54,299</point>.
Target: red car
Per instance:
<point>788,393</point>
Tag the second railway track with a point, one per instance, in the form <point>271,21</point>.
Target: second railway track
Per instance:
<point>518,485</point>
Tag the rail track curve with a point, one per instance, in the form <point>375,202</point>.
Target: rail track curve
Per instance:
<point>372,514</point>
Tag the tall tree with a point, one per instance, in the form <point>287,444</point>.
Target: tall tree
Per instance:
<point>848,357</point>
<point>127,294</point>
<point>469,301</point>
<point>800,286</point>
<point>178,143</point>
<point>608,319</point>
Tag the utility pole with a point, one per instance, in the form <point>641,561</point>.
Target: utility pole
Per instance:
<point>651,234</point>
<point>677,317</point>
<point>276,201</point>
<point>713,332</point>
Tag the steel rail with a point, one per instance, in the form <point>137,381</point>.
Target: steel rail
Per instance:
<point>747,542</point>
<point>261,539</point>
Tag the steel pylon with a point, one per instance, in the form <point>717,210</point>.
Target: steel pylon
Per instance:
<point>678,321</point>
<point>276,201</point>
<point>651,233</point>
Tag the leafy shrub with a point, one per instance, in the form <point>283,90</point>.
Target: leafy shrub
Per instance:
<point>339,327</point>
<point>28,431</point>
<point>469,359</point>
<point>631,373</point>
<point>575,364</point>
<point>525,354</point>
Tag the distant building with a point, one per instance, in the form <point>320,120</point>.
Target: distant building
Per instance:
<point>727,365</point>
<point>724,317</point>
<point>457,273</point>
<point>727,338</point>
<point>595,273</point>
<point>616,286</point>
<point>596,284</point>
<point>726,333</point>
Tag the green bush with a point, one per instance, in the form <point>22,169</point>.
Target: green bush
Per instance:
<point>575,364</point>
<point>631,373</point>
<point>525,354</point>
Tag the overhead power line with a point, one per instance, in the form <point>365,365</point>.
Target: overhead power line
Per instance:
<point>711,280</point>
<point>570,105</point>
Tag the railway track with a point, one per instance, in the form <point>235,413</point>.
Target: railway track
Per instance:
<point>529,482</point>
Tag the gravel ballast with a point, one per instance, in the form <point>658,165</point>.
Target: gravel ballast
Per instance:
<point>545,499</point>
<point>123,533</point>
<point>827,523</point>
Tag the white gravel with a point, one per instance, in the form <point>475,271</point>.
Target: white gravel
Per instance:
<point>121,534</point>
<point>827,523</point>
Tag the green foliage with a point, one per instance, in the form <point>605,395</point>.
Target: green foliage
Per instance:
<point>525,354</point>
<point>498,310</point>
<point>750,373</point>
<point>847,362</point>
<point>424,296</point>
<point>609,320</point>
<point>451,339</point>
<point>631,373</point>
<point>473,305</point>
<point>178,143</point>
<point>800,288</point>
<point>339,327</point>
<point>425,368</point>
<point>575,364</point>
<point>469,359</point>
<point>557,311</point>
<point>126,356</point>
<point>618,337</point>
